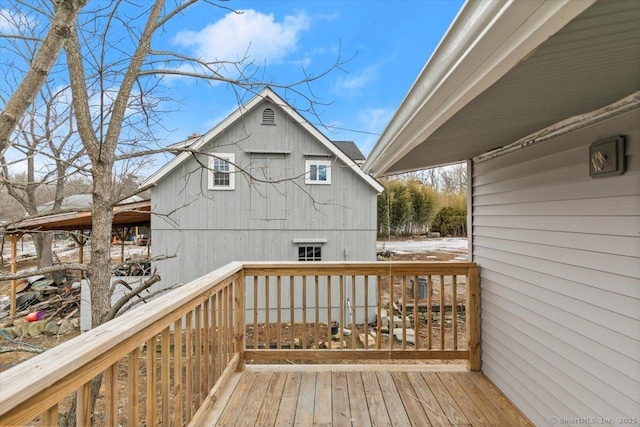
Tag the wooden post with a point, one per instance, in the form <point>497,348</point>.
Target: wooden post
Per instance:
<point>81,240</point>
<point>13,239</point>
<point>240,320</point>
<point>473,319</point>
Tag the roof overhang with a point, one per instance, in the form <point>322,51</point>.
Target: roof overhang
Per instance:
<point>507,69</point>
<point>124,215</point>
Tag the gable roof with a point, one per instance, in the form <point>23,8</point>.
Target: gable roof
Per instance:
<point>350,149</point>
<point>269,95</point>
<point>505,70</point>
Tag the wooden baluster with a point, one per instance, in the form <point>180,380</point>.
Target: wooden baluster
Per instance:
<point>177,372</point>
<point>404,312</point>
<point>165,368</point>
<point>329,321</point>
<point>391,314</point>
<point>366,312</point>
<point>214,338</point>
<point>454,311</point>
<point>198,357</point>
<point>429,311</point>
<point>189,357</point>
<point>50,416</point>
<point>83,405</point>
<point>279,315</point>
<point>354,330</point>
<point>379,314</point>
<point>316,301</point>
<point>304,312</point>
<point>151,381</point>
<point>206,357</point>
<point>341,333</point>
<point>255,313</point>
<point>220,343</point>
<point>230,336</point>
<point>292,308</point>
<point>442,312</point>
<point>267,321</point>
<point>240,328</point>
<point>416,312</point>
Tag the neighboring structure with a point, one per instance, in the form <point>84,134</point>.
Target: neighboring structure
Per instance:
<point>351,149</point>
<point>555,212</point>
<point>276,190</point>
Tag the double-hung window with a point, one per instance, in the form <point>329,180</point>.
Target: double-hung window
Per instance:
<point>221,171</point>
<point>318,172</point>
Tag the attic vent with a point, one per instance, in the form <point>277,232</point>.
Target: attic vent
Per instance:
<point>268,117</point>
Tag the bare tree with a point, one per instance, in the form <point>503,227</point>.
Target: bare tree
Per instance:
<point>46,146</point>
<point>115,76</point>
<point>61,27</point>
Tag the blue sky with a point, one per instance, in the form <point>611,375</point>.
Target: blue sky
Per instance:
<point>390,41</point>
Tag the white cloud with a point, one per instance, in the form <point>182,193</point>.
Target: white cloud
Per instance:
<point>358,80</point>
<point>251,32</point>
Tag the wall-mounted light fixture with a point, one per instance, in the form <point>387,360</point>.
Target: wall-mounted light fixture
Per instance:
<point>606,157</point>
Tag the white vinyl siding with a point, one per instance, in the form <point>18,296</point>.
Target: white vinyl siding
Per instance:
<point>559,254</point>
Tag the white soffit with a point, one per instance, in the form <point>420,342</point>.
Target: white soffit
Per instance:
<point>486,42</point>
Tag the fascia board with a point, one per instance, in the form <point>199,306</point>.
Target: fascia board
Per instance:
<point>486,40</point>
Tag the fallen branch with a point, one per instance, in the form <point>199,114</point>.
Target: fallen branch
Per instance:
<point>126,298</point>
<point>20,349</point>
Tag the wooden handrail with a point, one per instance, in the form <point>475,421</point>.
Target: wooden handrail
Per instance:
<point>44,380</point>
<point>211,312</point>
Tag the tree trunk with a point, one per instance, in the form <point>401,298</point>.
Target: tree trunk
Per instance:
<point>43,248</point>
<point>100,265</point>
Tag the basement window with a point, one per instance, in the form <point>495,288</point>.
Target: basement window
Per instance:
<point>222,171</point>
<point>317,172</point>
<point>268,117</point>
<point>309,253</point>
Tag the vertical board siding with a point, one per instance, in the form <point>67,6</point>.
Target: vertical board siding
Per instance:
<point>559,255</point>
<point>258,221</point>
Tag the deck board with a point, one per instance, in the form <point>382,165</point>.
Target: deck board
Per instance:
<point>413,406</point>
<point>272,399</point>
<point>341,410</point>
<point>339,395</point>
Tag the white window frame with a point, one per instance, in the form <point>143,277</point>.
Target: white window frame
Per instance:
<point>230,158</point>
<point>308,175</point>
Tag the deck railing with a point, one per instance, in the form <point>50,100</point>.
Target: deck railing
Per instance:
<point>166,361</point>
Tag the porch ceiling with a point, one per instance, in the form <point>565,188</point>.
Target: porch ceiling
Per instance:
<point>591,62</point>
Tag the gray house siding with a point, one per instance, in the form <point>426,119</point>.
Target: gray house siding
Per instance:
<point>560,267</point>
<point>259,221</point>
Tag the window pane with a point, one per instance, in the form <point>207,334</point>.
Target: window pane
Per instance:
<point>322,173</point>
<point>221,176</point>
<point>313,173</point>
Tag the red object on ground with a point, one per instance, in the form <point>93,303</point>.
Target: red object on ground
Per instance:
<point>36,315</point>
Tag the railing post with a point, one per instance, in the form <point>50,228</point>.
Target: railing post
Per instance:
<point>240,327</point>
<point>473,318</point>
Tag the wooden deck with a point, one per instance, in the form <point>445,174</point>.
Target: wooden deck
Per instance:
<point>362,395</point>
